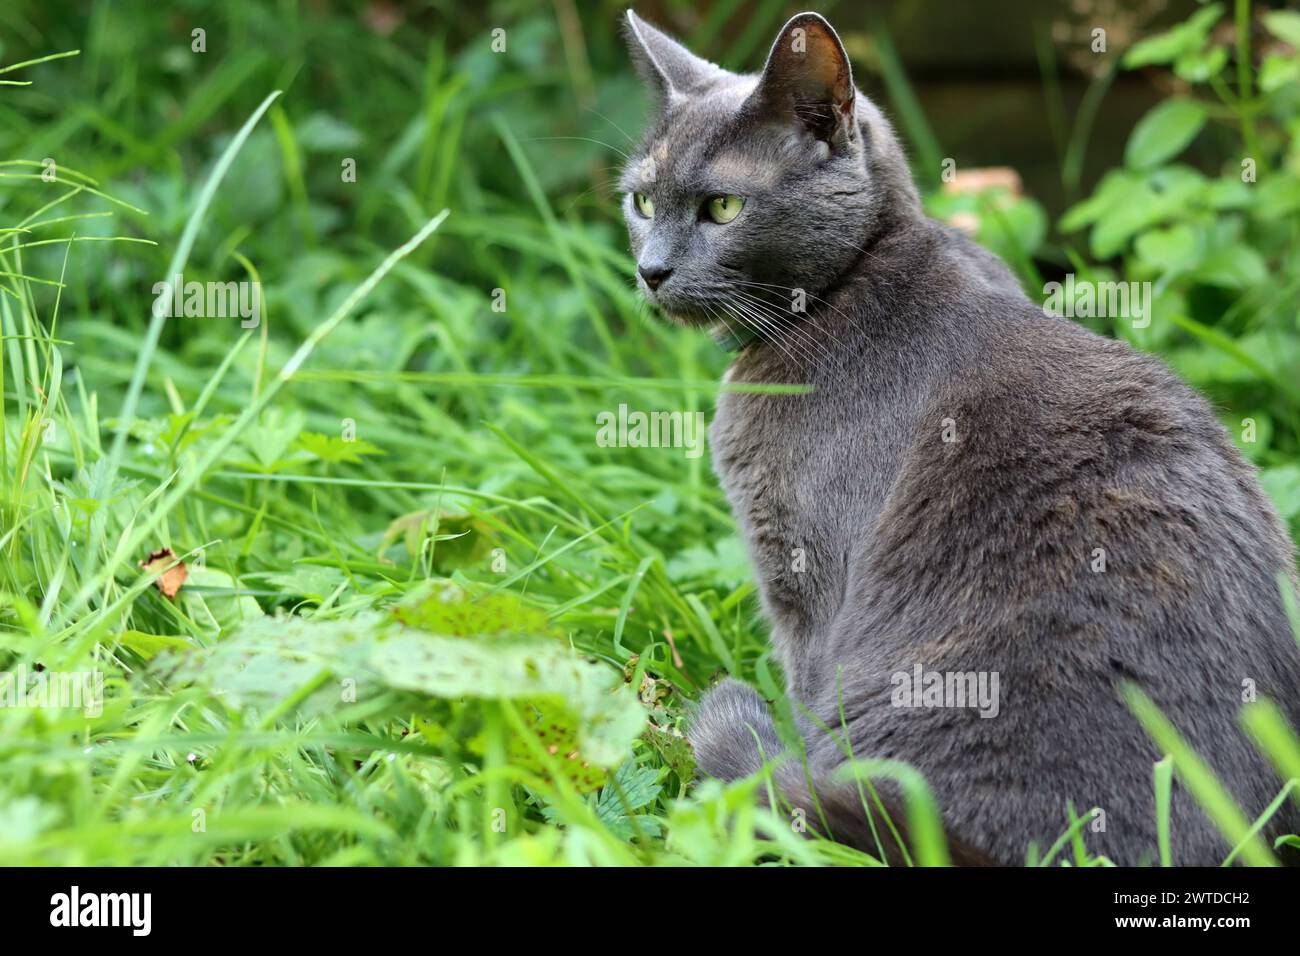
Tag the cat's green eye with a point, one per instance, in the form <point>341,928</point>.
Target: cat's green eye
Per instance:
<point>723,209</point>
<point>643,205</point>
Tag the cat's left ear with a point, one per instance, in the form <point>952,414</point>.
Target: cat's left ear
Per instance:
<point>808,81</point>
<point>670,68</point>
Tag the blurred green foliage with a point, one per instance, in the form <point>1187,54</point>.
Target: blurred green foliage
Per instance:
<point>433,446</point>
<point>1220,250</point>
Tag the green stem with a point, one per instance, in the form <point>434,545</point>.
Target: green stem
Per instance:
<point>496,792</point>
<point>1244,94</point>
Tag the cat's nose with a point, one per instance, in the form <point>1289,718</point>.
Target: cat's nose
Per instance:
<point>654,274</point>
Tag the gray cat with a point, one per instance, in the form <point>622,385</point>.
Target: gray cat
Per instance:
<point>971,488</point>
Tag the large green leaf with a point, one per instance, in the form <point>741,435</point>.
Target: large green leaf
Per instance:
<point>451,667</point>
<point>1164,132</point>
<point>446,644</point>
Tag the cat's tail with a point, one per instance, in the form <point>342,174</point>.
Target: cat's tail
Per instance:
<point>734,736</point>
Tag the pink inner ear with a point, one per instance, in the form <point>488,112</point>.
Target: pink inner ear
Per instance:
<point>825,64</point>
<point>820,64</point>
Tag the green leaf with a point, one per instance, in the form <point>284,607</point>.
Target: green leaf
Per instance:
<point>715,641</point>
<point>268,661</point>
<point>1161,48</point>
<point>321,132</point>
<point>1168,250</point>
<point>1199,65</point>
<point>181,431</point>
<point>1228,194</point>
<point>308,581</point>
<point>26,818</point>
<point>333,449</point>
<point>924,822</point>
<point>675,750</point>
<point>1233,267</point>
<point>1249,358</point>
<point>1277,197</point>
<point>485,651</point>
<point>1112,191</point>
<point>1164,132</point>
<point>272,436</point>
<point>1011,227</point>
<point>1142,208</point>
<point>1277,71</point>
<point>453,612</point>
<point>1282,484</point>
<point>558,730</point>
<point>1163,778</point>
<point>725,562</point>
<point>1285,25</point>
<point>212,599</point>
<point>1260,425</point>
<point>1186,37</point>
<point>609,716</point>
<point>460,539</point>
<point>632,788</point>
<point>147,645</point>
<point>1135,204</point>
<point>306,665</point>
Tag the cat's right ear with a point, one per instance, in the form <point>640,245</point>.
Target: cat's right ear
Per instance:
<point>808,81</point>
<point>667,66</point>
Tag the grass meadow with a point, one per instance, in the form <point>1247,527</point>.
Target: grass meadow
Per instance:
<point>344,571</point>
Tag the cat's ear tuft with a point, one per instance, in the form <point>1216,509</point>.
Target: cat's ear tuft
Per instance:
<point>808,81</point>
<point>666,65</point>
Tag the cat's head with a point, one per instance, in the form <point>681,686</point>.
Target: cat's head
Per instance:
<point>755,186</point>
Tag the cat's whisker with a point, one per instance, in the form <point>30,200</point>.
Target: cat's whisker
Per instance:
<point>769,322</point>
<point>608,190</point>
<point>716,315</point>
<point>761,329</point>
<point>815,298</point>
<point>810,318</point>
<point>791,325</point>
<point>581,139</point>
<point>630,140</point>
<point>773,335</point>
<point>792,332</point>
<point>734,310</point>
<point>787,316</point>
<point>845,244</point>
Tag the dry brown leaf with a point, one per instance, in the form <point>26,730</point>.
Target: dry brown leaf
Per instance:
<point>171,572</point>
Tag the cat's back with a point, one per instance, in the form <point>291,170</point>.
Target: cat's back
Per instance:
<point>1067,463</point>
<point>1071,516</point>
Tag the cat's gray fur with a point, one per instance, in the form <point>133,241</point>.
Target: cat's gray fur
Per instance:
<point>976,554</point>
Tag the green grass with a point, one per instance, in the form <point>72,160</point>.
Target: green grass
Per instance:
<point>428,619</point>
